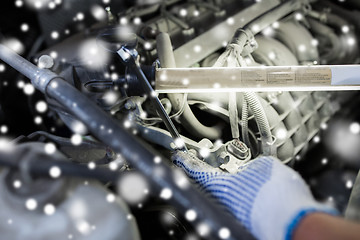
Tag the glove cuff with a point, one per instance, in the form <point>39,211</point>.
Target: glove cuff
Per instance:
<point>290,230</point>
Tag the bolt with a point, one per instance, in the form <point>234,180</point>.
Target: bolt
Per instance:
<point>130,105</point>
<point>223,157</point>
<point>46,62</point>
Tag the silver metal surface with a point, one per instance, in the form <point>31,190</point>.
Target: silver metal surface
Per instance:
<point>126,55</point>
<point>40,78</point>
<point>259,79</point>
<point>197,49</point>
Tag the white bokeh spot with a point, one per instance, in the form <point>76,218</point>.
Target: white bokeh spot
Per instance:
<point>224,233</point>
<point>31,204</point>
<point>49,209</point>
<point>76,139</point>
<point>190,215</point>
<point>132,188</point>
<point>166,193</point>
<point>55,172</point>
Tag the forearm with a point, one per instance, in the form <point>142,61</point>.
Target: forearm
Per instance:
<point>321,226</point>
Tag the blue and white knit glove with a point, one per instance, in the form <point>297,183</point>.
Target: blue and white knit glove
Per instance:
<point>266,196</point>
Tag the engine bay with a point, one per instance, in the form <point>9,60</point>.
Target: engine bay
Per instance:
<point>91,127</point>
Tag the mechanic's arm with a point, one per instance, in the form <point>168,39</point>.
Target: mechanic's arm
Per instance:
<point>321,226</point>
<point>270,199</point>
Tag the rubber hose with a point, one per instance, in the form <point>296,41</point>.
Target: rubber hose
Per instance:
<point>233,115</point>
<point>244,122</point>
<point>261,121</point>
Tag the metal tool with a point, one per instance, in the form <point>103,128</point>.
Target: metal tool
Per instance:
<point>129,59</point>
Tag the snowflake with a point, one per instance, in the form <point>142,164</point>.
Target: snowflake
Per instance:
<point>157,159</point>
<point>54,35</point>
<point>41,106</point>
<point>55,172</point>
<point>38,120</point>
<point>24,27</point>
<point>132,188</point>
<point>190,215</point>
<point>197,48</point>
<point>76,139</point>
<point>17,184</point>
<point>110,197</point>
<point>19,3</point>
<point>49,209</point>
<point>91,165</point>
<point>50,148</point>
<point>316,139</point>
<point>204,152</point>
<point>354,128</point>
<point>281,133</point>
<point>230,21</point>
<point>83,227</point>
<point>14,44</point>
<point>345,29</point>
<point>183,12</point>
<point>224,233</point>
<point>80,16</point>
<point>349,184</point>
<point>166,193</point>
<point>31,204</point>
<point>4,129</point>
<point>203,229</point>
<point>137,21</point>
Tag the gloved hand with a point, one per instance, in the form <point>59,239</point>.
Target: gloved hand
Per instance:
<point>266,196</point>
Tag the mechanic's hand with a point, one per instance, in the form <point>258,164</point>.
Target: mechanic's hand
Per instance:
<point>267,197</point>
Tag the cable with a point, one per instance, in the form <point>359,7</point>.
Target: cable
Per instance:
<point>233,116</point>
<point>244,122</point>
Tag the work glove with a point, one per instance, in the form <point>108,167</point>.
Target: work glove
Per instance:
<point>267,197</point>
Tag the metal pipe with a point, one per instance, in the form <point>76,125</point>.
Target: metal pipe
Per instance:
<point>167,60</point>
<point>39,77</point>
<point>261,22</point>
<point>268,146</point>
<point>139,155</point>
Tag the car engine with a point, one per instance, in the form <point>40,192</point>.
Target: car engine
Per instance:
<point>86,144</point>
